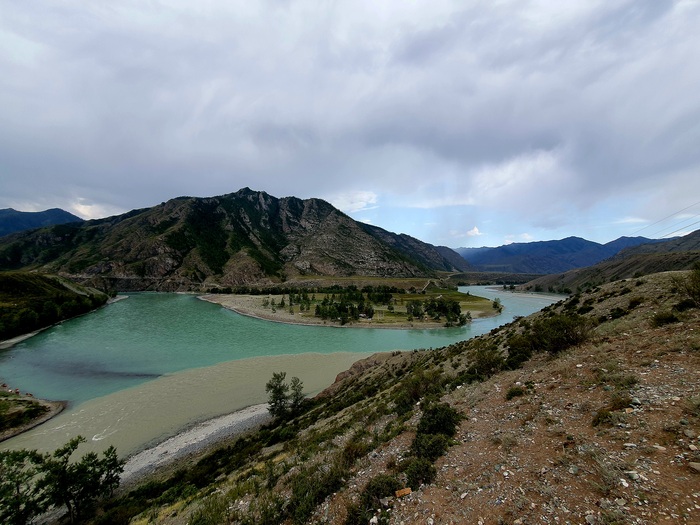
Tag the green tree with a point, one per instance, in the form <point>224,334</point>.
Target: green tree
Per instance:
<point>78,484</point>
<point>296,398</point>
<point>20,497</point>
<point>277,390</point>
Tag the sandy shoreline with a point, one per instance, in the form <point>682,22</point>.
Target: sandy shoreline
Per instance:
<point>194,440</point>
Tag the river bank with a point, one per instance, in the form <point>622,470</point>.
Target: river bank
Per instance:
<point>193,442</point>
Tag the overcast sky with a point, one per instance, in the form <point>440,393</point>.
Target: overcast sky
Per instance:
<point>464,123</point>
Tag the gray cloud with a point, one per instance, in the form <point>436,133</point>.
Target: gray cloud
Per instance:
<point>546,113</point>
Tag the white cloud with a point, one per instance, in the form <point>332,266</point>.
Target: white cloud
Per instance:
<point>631,220</point>
<point>92,211</point>
<point>474,232</point>
<point>541,112</point>
<point>354,201</point>
<point>520,237</point>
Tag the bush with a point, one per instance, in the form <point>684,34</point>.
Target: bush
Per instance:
<point>439,419</point>
<point>663,318</point>
<point>485,362</point>
<point>514,391</point>
<point>553,335</point>
<point>429,446</point>
<point>685,304</point>
<point>377,488</point>
<point>420,471</point>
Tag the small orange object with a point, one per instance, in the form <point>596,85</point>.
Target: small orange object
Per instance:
<point>403,492</point>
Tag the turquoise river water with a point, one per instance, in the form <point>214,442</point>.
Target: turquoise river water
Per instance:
<point>144,368</point>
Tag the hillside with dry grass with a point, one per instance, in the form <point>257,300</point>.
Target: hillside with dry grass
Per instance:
<point>586,412</point>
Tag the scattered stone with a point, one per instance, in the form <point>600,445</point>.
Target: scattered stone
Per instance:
<point>374,520</point>
<point>590,519</point>
<point>694,466</point>
<point>693,448</point>
<point>635,401</point>
<point>633,475</point>
<point>630,445</point>
<point>689,433</point>
<point>620,502</point>
<point>659,448</point>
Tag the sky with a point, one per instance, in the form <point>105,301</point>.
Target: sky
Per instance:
<point>462,123</point>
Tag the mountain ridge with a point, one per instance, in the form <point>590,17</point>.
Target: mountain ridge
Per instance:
<point>547,257</point>
<point>671,255</point>
<point>246,237</point>
<point>12,221</point>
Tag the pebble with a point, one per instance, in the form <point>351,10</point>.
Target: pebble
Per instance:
<point>694,466</point>
<point>630,445</point>
<point>659,448</point>
<point>590,519</point>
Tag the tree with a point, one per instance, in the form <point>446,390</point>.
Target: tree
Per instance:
<point>78,484</point>
<point>31,483</point>
<point>297,396</point>
<point>282,403</point>
<point>20,497</point>
<point>277,390</point>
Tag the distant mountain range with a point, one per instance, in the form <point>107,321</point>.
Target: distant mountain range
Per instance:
<point>247,237</point>
<point>546,257</point>
<point>14,221</point>
<point>675,254</point>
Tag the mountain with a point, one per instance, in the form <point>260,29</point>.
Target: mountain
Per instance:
<point>247,237</point>
<point>14,221</point>
<point>546,257</point>
<point>659,256</point>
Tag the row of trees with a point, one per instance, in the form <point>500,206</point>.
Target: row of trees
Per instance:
<point>32,483</point>
<point>438,308</point>
<point>32,317</point>
<point>344,311</point>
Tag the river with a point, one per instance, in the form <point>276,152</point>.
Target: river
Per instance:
<point>139,370</point>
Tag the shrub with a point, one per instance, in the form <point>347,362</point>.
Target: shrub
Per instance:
<point>553,334</point>
<point>514,391</point>
<point>485,361</point>
<point>377,488</point>
<point>420,471</point>
<point>439,419</point>
<point>691,284</point>
<point>602,417</point>
<point>663,318</point>
<point>685,304</point>
<point>634,302</point>
<point>429,446</point>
